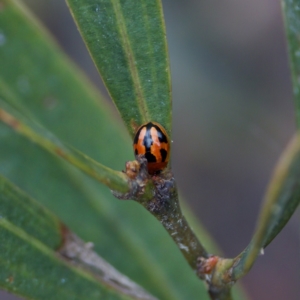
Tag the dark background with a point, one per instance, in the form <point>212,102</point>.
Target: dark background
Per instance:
<point>233,115</point>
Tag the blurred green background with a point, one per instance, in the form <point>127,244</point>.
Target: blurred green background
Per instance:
<point>233,115</point>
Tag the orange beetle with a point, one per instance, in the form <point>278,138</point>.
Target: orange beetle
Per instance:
<point>151,139</point>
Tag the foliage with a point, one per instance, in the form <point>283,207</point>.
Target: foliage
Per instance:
<point>47,107</point>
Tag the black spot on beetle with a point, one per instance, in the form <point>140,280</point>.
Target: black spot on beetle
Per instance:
<point>150,157</point>
<point>162,138</point>
<point>163,154</point>
<point>149,125</point>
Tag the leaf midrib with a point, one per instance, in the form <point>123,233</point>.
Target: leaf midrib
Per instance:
<point>124,37</point>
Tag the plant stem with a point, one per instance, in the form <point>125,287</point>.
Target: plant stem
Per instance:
<point>82,254</point>
<point>165,207</point>
<point>224,294</point>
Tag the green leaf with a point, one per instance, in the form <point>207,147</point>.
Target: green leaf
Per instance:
<point>283,194</point>
<point>281,201</point>
<point>53,92</point>
<point>291,14</point>
<point>35,272</point>
<point>28,265</point>
<point>23,212</point>
<point>127,42</point>
<point>37,134</point>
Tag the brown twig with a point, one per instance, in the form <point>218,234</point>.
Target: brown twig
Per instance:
<point>158,194</point>
<point>80,253</point>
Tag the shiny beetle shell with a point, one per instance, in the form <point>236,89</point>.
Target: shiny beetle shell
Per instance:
<point>151,139</point>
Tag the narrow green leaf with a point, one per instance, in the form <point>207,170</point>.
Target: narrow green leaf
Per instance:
<point>127,42</point>
<point>108,219</point>
<point>28,265</point>
<point>63,101</point>
<point>31,130</point>
<point>30,269</point>
<point>291,14</point>
<point>283,195</point>
<point>54,91</point>
<point>23,212</point>
<point>281,201</point>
